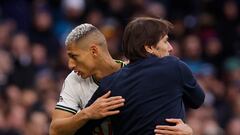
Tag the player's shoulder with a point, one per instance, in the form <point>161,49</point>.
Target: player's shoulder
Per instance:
<point>75,78</point>
<point>72,76</point>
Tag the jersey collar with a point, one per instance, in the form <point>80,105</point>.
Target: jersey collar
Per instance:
<point>117,61</point>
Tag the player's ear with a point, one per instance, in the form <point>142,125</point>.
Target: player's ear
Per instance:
<point>148,48</point>
<point>94,50</point>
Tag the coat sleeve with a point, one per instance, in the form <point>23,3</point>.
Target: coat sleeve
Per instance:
<point>193,95</point>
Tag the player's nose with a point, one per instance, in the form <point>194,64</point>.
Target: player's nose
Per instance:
<point>170,48</point>
<point>71,64</point>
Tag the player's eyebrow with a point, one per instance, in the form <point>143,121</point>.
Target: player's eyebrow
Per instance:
<point>71,55</point>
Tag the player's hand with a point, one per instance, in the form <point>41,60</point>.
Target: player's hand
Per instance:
<point>180,129</point>
<point>104,106</point>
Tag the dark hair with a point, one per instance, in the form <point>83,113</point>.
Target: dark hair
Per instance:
<point>143,31</point>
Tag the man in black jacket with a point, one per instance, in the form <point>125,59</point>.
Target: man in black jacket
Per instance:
<point>153,88</point>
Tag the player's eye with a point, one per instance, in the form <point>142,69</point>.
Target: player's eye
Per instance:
<point>73,57</point>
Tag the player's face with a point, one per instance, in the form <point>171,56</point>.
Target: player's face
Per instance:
<point>163,47</point>
<point>80,60</point>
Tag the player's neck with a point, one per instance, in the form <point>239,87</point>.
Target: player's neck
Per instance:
<point>107,66</point>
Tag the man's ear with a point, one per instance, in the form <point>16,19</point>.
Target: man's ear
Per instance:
<point>148,48</point>
<point>94,50</point>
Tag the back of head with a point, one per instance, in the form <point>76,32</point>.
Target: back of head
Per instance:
<point>88,33</point>
<point>143,31</point>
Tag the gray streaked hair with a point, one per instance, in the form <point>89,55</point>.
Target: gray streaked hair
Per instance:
<point>79,32</point>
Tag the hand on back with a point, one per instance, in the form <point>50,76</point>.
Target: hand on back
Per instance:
<point>180,129</point>
<point>104,106</point>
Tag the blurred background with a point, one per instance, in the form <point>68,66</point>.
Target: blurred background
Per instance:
<point>33,62</point>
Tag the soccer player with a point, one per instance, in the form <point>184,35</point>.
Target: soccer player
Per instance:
<point>154,88</point>
<point>91,61</point>
<point>79,85</point>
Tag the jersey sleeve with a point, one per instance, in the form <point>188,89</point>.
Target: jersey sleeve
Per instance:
<point>68,100</point>
<point>193,95</point>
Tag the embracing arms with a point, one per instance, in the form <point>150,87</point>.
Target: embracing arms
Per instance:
<point>66,123</point>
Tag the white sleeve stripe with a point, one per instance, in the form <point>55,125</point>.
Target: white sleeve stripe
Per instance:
<point>64,108</point>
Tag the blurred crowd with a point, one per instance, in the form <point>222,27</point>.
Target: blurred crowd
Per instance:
<point>33,62</point>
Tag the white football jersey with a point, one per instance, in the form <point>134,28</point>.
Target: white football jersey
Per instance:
<point>76,92</point>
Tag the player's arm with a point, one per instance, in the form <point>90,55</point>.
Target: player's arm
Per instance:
<point>193,95</point>
<point>66,123</point>
<point>180,129</point>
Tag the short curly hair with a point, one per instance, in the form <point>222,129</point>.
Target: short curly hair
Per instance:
<point>79,32</point>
